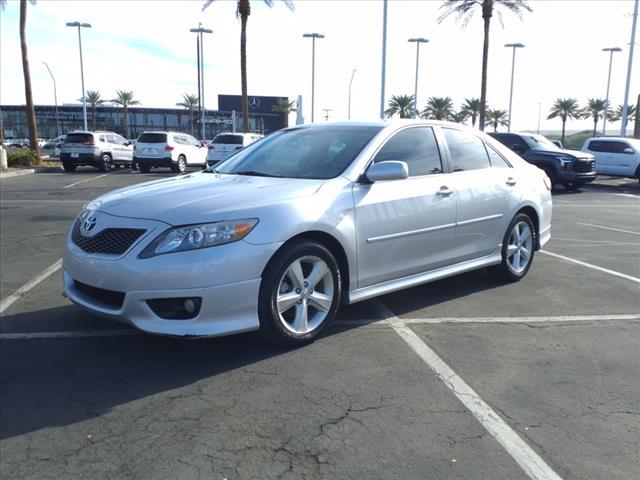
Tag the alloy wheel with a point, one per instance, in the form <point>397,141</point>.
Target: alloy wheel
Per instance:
<point>520,247</point>
<point>304,296</point>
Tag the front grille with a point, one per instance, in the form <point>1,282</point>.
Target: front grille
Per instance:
<point>107,297</point>
<point>584,166</point>
<point>114,241</point>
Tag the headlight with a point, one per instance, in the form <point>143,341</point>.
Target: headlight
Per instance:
<point>563,161</point>
<point>193,237</point>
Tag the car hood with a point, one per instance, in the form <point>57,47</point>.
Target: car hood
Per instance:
<point>201,197</point>
<point>560,153</point>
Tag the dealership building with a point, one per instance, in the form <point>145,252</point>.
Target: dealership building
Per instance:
<point>228,118</point>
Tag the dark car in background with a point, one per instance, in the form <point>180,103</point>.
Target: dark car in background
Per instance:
<point>570,168</point>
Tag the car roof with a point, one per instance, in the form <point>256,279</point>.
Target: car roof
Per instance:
<point>614,139</point>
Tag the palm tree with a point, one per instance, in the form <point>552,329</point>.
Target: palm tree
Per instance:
<point>465,9</point>
<point>190,102</point>
<point>31,113</point>
<point>565,108</point>
<point>243,10</point>
<point>617,115</point>
<point>595,110</point>
<point>401,105</point>
<point>93,99</point>
<point>125,99</point>
<point>459,117</point>
<point>438,108</point>
<point>285,107</point>
<point>471,107</point>
<point>497,118</point>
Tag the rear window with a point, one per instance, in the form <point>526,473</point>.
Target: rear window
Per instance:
<point>227,139</point>
<point>152,138</point>
<point>79,138</point>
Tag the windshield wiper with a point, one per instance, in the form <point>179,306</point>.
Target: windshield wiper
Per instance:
<point>254,173</point>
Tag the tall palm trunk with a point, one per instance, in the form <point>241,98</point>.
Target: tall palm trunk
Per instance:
<point>31,113</point>
<point>93,117</point>
<point>473,121</point>
<point>126,123</point>
<point>244,8</point>
<point>487,11</point>
<point>564,124</point>
<point>595,126</point>
<point>191,120</point>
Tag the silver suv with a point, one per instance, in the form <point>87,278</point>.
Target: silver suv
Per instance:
<point>102,150</point>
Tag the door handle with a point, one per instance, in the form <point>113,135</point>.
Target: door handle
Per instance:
<point>444,191</point>
<point>511,181</point>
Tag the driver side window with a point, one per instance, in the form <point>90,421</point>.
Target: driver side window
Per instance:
<point>417,147</point>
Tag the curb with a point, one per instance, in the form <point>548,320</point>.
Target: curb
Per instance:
<point>16,173</point>
<point>48,169</point>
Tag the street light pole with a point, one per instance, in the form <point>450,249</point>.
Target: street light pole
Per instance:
<point>513,67</point>
<point>84,100</point>
<point>384,56</point>
<point>350,82</point>
<point>313,37</point>
<point>200,60</point>
<point>55,97</point>
<point>625,105</point>
<point>606,102</point>
<point>417,41</point>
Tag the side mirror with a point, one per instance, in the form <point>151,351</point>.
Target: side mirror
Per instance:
<point>557,143</point>
<point>389,170</point>
<point>628,150</point>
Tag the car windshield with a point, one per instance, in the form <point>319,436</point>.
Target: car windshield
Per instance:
<point>319,152</point>
<point>152,138</point>
<point>227,139</point>
<point>538,142</point>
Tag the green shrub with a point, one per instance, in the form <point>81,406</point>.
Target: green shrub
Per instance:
<point>21,159</point>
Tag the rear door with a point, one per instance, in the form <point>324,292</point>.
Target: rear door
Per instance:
<point>405,226</point>
<point>487,193</point>
<point>198,153</point>
<point>123,151</point>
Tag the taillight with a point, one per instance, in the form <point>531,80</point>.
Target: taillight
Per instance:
<point>169,148</point>
<point>547,182</point>
<point>90,142</point>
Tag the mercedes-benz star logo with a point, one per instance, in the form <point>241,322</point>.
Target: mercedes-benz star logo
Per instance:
<point>88,225</point>
<point>254,103</point>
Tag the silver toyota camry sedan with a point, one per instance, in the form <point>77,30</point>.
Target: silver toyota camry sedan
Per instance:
<point>281,234</point>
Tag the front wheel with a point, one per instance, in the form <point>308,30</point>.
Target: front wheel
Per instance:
<point>299,294</point>
<point>518,247</point>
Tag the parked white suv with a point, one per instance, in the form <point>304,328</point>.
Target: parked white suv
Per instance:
<point>224,145</point>
<point>168,149</point>
<point>617,156</point>
<point>97,149</point>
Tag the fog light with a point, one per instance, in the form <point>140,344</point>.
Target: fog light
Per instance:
<point>176,308</point>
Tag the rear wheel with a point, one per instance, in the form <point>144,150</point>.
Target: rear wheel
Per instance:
<point>105,162</point>
<point>299,294</point>
<point>181,165</point>
<point>68,166</point>
<point>518,247</point>
<point>144,168</point>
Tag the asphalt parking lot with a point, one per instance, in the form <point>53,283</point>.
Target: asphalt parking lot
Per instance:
<point>465,378</point>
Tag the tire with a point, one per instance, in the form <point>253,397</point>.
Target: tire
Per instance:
<point>572,187</point>
<point>105,162</point>
<point>134,166</point>
<point>68,167</point>
<point>552,176</point>
<point>144,168</point>
<point>293,308</point>
<point>181,165</point>
<point>514,267</point>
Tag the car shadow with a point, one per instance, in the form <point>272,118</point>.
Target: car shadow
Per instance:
<point>57,382</point>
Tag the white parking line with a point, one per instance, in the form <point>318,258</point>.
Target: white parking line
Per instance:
<point>628,195</point>
<point>530,462</point>
<point>608,228</point>
<point>73,334</point>
<point>85,180</point>
<point>27,287</point>
<point>594,267</point>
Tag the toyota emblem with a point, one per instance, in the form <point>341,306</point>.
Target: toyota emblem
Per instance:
<point>89,225</point>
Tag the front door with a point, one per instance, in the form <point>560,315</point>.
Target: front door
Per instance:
<point>405,226</point>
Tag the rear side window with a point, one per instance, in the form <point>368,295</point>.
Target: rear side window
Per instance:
<point>599,146</point>
<point>415,146</point>
<point>153,138</point>
<point>496,159</point>
<point>79,138</point>
<point>227,139</point>
<point>467,151</point>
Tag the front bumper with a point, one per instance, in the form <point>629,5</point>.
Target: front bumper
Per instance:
<point>226,278</point>
<point>568,176</point>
